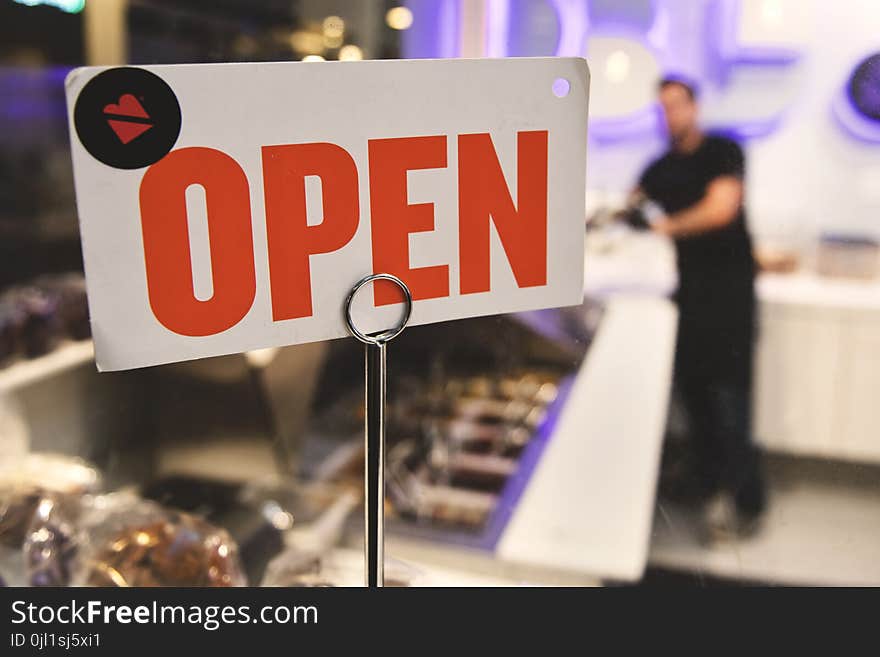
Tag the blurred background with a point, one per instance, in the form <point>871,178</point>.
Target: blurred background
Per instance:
<point>540,448</point>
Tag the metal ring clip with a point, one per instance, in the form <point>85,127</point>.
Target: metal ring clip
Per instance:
<point>388,334</point>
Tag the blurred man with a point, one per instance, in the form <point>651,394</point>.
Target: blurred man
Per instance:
<point>699,184</point>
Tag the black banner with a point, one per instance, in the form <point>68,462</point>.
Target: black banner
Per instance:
<point>270,620</point>
<point>333,621</point>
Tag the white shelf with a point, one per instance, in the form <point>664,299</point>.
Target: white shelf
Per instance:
<point>27,372</point>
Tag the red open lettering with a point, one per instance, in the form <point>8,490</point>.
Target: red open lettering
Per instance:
<point>483,199</point>
<point>393,219</point>
<point>483,194</point>
<point>290,239</point>
<point>166,241</point>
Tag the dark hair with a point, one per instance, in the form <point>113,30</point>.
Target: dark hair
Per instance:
<point>689,86</point>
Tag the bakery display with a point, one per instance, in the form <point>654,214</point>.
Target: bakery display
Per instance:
<point>38,316</point>
<point>129,541</point>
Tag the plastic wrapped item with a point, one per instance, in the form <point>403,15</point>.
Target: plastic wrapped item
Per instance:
<point>29,484</point>
<point>25,481</point>
<point>133,542</point>
<point>255,514</point>
<point>51,545</point>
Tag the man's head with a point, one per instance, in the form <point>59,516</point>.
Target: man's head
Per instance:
<point>678,98</point>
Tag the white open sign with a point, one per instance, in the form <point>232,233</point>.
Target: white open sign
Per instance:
<point>230,207</point>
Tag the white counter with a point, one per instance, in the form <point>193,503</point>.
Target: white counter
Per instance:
<point>811,290</point>
<point>589,504</point>
<point>622,260</point>
<point>817,355</point>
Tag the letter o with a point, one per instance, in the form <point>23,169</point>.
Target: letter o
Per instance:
<point>166,241</point>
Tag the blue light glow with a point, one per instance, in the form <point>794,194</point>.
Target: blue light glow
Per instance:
<point>67,6</point>
<point>435,34</point>
<point>854,123</point>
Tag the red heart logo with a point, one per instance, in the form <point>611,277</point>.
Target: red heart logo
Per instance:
<point>128,106</point>
<point>125,129</point>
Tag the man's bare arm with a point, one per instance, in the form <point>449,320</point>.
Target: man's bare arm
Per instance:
<point>718,208</point>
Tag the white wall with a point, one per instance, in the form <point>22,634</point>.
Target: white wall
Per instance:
<point>811,170</point>
<point>806,176</point>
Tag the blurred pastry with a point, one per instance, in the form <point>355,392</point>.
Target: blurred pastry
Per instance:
<point>180,550</point>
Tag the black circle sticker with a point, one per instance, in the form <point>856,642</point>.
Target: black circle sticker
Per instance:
<point>127,118</point>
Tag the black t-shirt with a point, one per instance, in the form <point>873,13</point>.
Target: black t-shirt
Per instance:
<point>716,268</point>
<point>677,181</point>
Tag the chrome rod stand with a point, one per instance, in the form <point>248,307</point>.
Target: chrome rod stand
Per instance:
<point>375,464</point>
<point>375,367</point>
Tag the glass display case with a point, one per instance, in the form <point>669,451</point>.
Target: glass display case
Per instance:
<point>537,447</point>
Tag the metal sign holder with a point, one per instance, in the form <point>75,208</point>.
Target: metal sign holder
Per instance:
<point>374,429</point>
